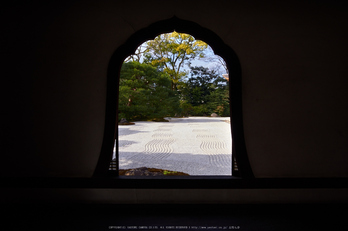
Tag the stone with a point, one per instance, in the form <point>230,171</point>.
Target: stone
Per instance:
<point>142,172</point>
<point>214,115</point>
<point>123,121</point>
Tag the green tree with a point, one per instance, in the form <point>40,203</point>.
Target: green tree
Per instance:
<point>170,52</point>
<point>207,92</point>
<point>145,93</point>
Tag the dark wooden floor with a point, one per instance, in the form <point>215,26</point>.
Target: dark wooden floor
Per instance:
<point>175,217</point>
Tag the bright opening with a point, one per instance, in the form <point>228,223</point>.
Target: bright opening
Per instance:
<point>174,112</point>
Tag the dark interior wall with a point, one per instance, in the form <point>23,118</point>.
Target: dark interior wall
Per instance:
<point>293,58</point>
<point>294,65</point>
<point>23,30</point>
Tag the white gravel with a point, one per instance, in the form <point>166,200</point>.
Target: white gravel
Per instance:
<point>194,145</point>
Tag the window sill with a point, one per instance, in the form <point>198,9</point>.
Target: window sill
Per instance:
<point>173,182</point>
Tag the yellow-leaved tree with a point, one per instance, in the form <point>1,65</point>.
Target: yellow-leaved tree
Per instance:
<point>171,52</point>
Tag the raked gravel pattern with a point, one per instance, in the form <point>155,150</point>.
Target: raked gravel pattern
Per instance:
<point>194,145</point>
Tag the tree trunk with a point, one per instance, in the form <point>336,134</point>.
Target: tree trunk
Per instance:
<point>173,86</point>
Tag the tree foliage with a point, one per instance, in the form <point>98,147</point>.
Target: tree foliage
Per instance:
<point>155,83</point>
<point>206,92</point>
<point>145,93</point>
<point>171,52</point>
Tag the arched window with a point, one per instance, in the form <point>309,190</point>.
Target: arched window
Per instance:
<point>240,164</point>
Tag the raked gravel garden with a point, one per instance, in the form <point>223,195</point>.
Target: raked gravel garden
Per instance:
<point>193,145</point>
